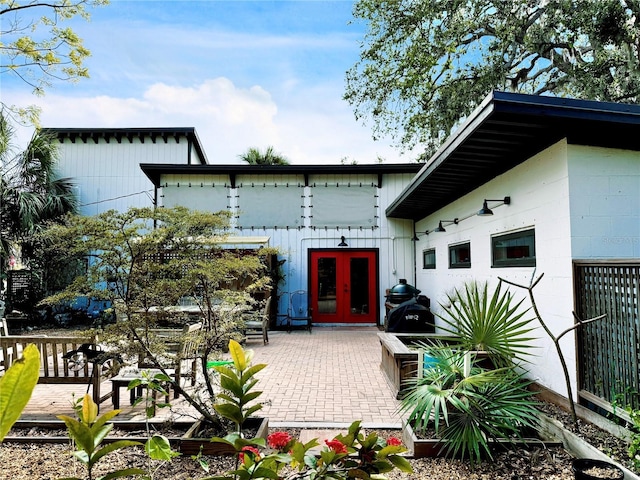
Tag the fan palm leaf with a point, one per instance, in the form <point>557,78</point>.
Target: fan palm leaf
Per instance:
<point>493,323</point>
<point>253,156</point>
<point>467,409</point>
<point>30,191</point>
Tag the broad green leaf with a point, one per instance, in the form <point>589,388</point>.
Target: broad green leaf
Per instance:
<point>159,448</point>
<point>79,432</point>
<point>400,463</point>
<point>136,382</point>
<point>253,409</point>
<point>237,355</point>
<point>391,450</point>
<point>230,412</point>
<point>82,456</point>
<point>16,386</point>
<point>251,371</point>
<point>104,418</point>
<point>112,447</point>
<point>99,434</point>
<point>250,396</point>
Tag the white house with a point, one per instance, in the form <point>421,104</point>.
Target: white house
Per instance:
<point>326,220</point>
<point>105,162</point>
<point>562,178</point>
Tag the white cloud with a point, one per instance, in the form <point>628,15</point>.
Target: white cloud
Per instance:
<point>314,126</point>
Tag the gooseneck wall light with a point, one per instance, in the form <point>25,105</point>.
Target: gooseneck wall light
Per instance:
<point>485,211</point>
<point>441,228</point>
<point>415,235</point>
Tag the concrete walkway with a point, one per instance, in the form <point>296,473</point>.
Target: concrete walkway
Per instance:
<point>330,377</point>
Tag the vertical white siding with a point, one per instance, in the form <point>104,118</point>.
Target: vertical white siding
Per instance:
<point>108,174</point>
<point>539,190</point>
<point>392,238</point>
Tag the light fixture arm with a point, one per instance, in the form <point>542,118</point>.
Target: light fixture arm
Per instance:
<point>485,211</point>
<point>440,227</point>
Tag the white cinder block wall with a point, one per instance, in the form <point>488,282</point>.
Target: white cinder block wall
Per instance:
<point>539,191</point>
<point>584,203</point>
<point>605,203</point>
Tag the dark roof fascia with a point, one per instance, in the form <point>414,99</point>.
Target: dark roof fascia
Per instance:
<point>154,171</point>
<point>85,134</point>
<point>549,119</point>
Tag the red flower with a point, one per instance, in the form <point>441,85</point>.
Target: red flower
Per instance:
<point>336,445</point>
<point>249,448</point>
<point>279,440</point>
<point>393,441</point>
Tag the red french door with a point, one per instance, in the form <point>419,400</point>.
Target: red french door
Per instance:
<point>343,286</point>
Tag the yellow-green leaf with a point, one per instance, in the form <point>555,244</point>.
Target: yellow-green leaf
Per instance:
<point>237,355</point>
<point>159,448</point>
<point>89,409</point>
<point>16,387</point>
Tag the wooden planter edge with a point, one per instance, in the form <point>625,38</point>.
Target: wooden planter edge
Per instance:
<point>577,446</point>
<point>190,445</point>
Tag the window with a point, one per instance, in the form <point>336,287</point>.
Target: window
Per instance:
<point>516,249</point>
<point>460,255</point>
<point>429,259</point>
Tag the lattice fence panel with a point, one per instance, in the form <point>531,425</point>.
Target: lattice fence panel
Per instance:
<point>609,349</point>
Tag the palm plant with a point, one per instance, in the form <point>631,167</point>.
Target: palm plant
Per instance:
<point>491,323</point>
<point>253,156</point>
<point>468,407</point>
<point>31,194</point>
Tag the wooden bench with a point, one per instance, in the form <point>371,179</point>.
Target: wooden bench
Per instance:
<point>54,369</point>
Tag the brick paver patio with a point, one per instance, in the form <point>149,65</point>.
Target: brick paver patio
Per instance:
<point>329,377</point>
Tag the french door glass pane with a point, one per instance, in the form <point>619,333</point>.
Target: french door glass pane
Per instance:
<point>359,300</point>
<point>326,285</point>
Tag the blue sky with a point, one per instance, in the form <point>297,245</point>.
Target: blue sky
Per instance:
<point>243,73</point>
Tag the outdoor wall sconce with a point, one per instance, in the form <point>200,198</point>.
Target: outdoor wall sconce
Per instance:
<point>342,242</point>
<point>440,228</point>
<point>485,211</point>
<point>415,235</point>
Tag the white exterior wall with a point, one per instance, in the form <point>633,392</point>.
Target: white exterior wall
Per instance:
<point>392,237</point>
<point>108,175</point>
<point>605,203</point>
<point>539,190</point>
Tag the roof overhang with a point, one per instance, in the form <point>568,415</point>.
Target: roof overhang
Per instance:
<point>504,131</point>
<point>119,134</point>
<point>155,171</point>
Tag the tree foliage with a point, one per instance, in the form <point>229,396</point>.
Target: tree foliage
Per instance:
<point>253,156</point>
<point>31,192</point>
<point>425,65</point>
<point>145,261</point>
<point>36,57</point>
